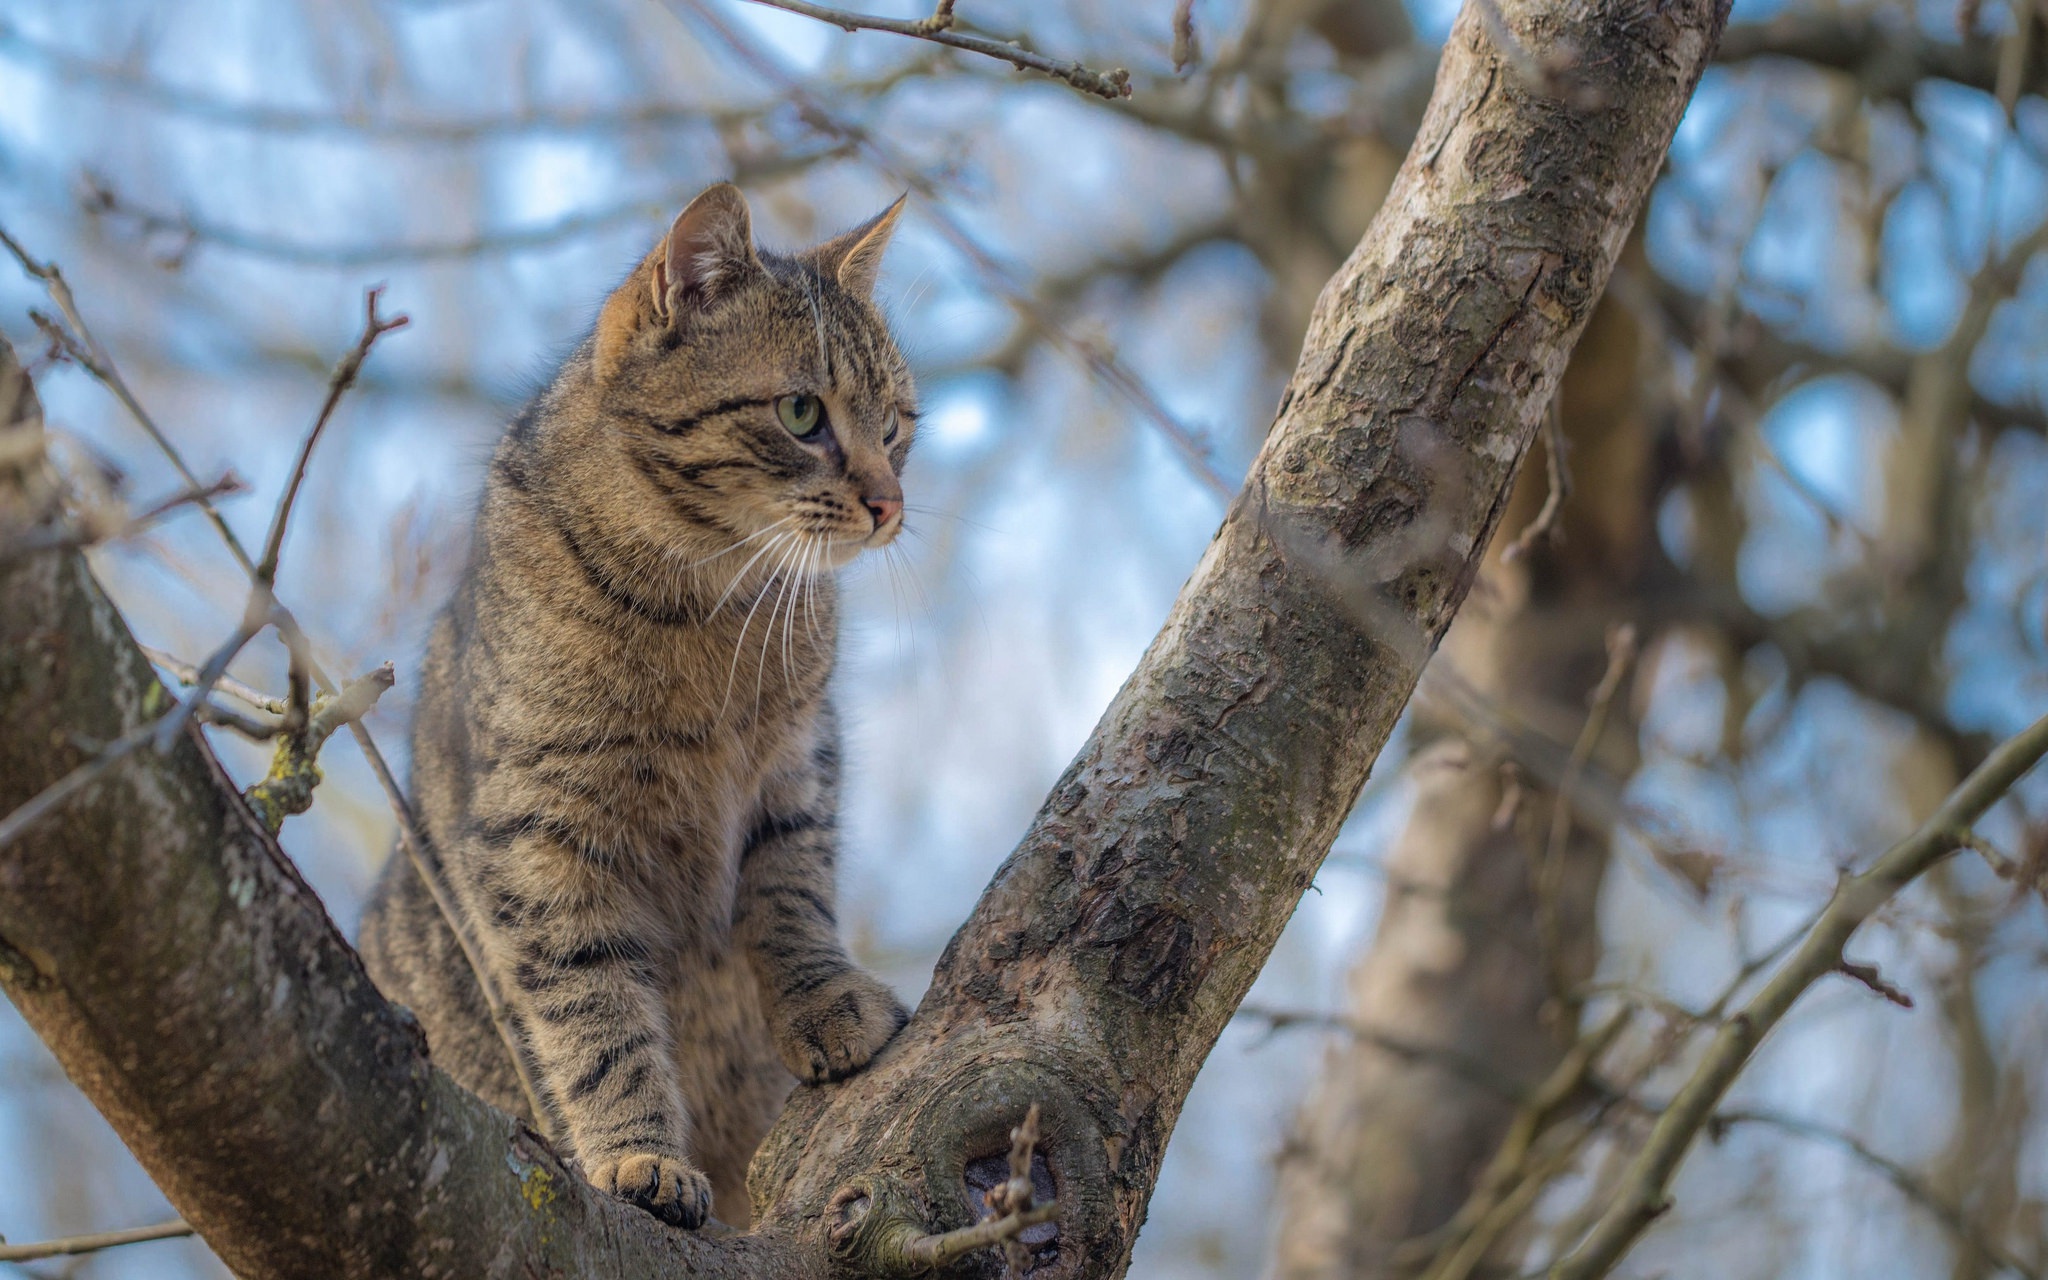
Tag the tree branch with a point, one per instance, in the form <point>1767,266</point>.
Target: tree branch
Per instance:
<point>1644,1196</point>
<point>68,1245</point>
<point>1112,84</point>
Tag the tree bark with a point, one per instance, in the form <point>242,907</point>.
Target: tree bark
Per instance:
<point>1388,1147</point>
<point>195,989</point>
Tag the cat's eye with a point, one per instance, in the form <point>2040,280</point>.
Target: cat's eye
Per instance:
<point>895,428</point>
<point>801,416</point>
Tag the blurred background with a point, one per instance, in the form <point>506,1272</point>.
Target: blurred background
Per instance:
<point>1796,587</point>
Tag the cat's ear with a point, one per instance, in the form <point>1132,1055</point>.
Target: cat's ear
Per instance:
<point>708,250</point>
<point>855,258</point>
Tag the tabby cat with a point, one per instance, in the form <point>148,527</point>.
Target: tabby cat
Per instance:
<point>624,754</point>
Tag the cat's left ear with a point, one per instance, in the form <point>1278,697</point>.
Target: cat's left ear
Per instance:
<point>855,258</point>
<point>708,251</point>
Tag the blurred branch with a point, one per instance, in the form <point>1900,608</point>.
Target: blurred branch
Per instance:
<point>1113,84</point>
<point>1645,1196</point>
<point>92,531</point>
<point>1885,55</point>
<point>1911,1185</point>
<point>67,1245</point>
<point>1557,473</point>
<point>105,201</point>
<point>259,118</point>
<point>1469,1069</point>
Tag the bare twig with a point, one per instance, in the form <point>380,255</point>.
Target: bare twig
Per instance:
<point>188,675</point>
<point>1510,1180</point>
<point>1011,1203</point>
<point>89,534</point>
<point>46,801</point>
<point>1187,46</point>
<point>1114,83</point>
<point>1559,474</point>
<point>344,376</point>
<point>1868,975</point>
<point>1645,1195</point>
<point>262,609</point>
<point>80,344</point>
<point>93,1243</point>
<point>1909,1184</point>
<point>1465,1068</point>
<point>1549,872</point>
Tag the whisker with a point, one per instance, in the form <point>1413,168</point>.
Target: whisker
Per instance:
<point>731,587</point>
<point>740,643</point>
<point>758,533</point>
<point>768,629</point>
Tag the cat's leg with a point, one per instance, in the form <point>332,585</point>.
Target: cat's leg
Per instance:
<point>828,1015</point>
<point>581,956</point>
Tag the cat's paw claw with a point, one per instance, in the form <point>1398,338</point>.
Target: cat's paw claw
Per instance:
<point>665,1186</point>
<point>839,1028</point>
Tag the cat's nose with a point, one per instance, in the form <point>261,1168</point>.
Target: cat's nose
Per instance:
<point>883,509</point>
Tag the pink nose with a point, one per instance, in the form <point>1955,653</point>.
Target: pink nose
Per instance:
<point>883,509</point>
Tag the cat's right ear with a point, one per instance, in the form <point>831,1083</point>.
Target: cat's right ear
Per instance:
<point>708,250</point>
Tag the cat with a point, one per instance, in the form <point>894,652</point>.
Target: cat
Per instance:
<point>625,755</point>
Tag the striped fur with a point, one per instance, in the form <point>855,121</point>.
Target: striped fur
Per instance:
<point>624,752</point>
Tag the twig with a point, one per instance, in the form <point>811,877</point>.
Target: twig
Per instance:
<point>288,787</point>
<point>344,376</point>
<point>85,535</point>
<point>188,675</point>
<point>1013,1212</point>
<point>1559,474</point>
<point>1112,84</point>
<point>80,344</point>
<point>1468,1069</point>
<point>93,1243</point>
<point>1187,46</point>
<point>1868,975</point>
<point>933,1252</point>
<point>44,802</point>
<point>257,613</point>
<point>1910,1184</point>
<point>1648,1180</point>
<point>1549,872</point>
<point>1509,1183</point>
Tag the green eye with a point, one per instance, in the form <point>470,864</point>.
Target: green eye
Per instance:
<point>895,427</point>
<point>800,415</point>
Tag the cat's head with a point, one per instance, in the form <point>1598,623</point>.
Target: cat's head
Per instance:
<point>752,394</point>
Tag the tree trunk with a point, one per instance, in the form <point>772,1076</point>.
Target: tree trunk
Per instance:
<point>195,989</point>
<point>1388,1147</point>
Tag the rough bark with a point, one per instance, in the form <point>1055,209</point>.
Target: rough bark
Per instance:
<point>194,987</point>
<point>1387,1147</point>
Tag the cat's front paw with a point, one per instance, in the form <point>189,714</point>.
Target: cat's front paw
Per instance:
<point>837,1029</point>
<point>667,1187</point>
